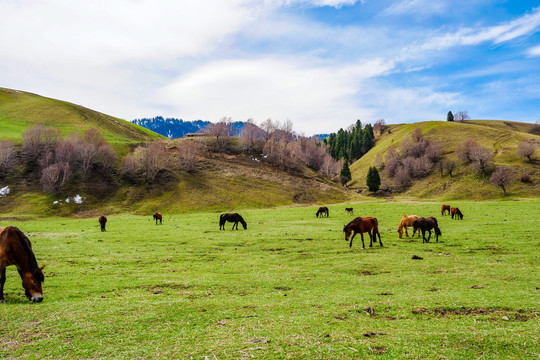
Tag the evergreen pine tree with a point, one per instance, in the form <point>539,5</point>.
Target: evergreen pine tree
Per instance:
<point>345,174</point>
<point>373,180</point>
<point>450,116</point>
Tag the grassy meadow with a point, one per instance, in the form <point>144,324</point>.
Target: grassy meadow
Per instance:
<point>288,287</point>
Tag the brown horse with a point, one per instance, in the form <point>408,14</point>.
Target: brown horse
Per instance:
<point>362,225</point>
<point>102,221</point>
<point>406,221</point>
<point>235,218</point>
<point>322,211</point>
<point>444,209</point>
<point>15,249</point>
<point>426,224</point>
<point>158,216</point>
<point>349,211</point>
<point>456,213</point>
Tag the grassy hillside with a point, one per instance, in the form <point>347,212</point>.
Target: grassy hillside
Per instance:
<point>500,136</point>
<point>20,110</point>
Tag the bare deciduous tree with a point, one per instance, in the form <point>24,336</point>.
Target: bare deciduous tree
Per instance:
<point>462,116</point>
<point>106,156</point>
<point>87,154</point>
<point>8,157</point>
<point>250,134</point>
<point>188,155</point>
<point>450,166</point>
<point>502,177</point>
<point>526,148</point>
<point>269,126</point>
<point>379,127</point>
<point>49,178</point>
<point>482,159</point>
<point>464,151</point>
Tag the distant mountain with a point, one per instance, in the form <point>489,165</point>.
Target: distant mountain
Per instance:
<point>171,127</point>
<point>176,128</point>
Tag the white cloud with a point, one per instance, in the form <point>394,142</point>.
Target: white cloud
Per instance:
<point>417,7</point>
<point>534,51</point>
<point>511,30</point>
<point>273,88</point>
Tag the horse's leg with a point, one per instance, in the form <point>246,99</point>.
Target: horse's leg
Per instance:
<point>423,236</point>
<point>406,232</point>
<point>352,237</point>
<point>429,237</point>
<point>377,230</point>
<point>2,281</point>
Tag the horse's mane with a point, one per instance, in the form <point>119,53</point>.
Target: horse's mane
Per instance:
<point>27,246</point>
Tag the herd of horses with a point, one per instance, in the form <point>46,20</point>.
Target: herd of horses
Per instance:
<point>16,249</point>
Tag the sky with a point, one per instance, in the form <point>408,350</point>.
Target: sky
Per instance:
<point>322,64</point>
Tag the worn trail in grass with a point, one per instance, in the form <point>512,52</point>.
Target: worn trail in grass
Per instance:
<point>287,287</point>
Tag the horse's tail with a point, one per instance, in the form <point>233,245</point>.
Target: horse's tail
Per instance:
<point>437,230</point>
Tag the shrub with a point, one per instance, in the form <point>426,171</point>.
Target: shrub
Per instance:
<point>8,157</point>
<point>526,148</point>
<point>525,178</point>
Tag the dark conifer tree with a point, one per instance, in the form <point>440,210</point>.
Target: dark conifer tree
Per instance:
<point>373,180</point>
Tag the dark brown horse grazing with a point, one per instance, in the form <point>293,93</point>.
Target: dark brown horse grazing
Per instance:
<point>350,211</point>
<point>15,249</point>
<point>426,224</point>
<point>444,209</point>
<point>158,216</point>
<point>102,221</point>
<point>362,225</point>
<point>457,213</point>
<point>235,218</point>
<point>323,210</point>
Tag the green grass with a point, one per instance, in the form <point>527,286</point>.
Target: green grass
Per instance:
<point>287,287</point>
<point>20,110</point>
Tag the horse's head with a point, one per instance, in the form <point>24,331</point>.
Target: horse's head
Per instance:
<point>347,230</point>
<point>244,224</point>
<point>31,282</point>
<point>400,232</point>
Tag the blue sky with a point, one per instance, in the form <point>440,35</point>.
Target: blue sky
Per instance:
<point>320,63</point>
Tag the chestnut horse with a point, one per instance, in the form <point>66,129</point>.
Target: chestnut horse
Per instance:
<point>444,209</point>
<point>426,224</point>
<point>405,222</point>
<point>158,216</point>
<point>15,249</point>
<point>362,225</point>
<point>235,218</point>
<point>102,221</point>
<point>322,211</point>
<point>350,211</point>
<point>455,212</point>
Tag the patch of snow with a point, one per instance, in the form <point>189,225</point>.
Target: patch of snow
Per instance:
<point>77,199</point>
<point>4,191</point>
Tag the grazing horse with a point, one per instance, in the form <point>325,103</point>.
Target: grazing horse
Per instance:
<point>362,225</point>
<point>406,221</point>
<point>15,249</point>
<point>457,213</point>
<point>444,209</point>
<point>322,211</point>
<point>426,224</point>
<point>235,218</point>
<point>102,221</point>
<point>350,211</point>
<point>158,216</point>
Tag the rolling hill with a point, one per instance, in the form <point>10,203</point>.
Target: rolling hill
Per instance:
<point>20,110</point>
<point>502,137</point>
